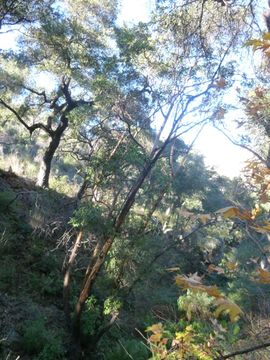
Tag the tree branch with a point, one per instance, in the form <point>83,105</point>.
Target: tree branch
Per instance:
<point>31,128</point>
<point>39,93</point>
<point>242,146</point>
<point>71,103</point>
<point>244,351</point>
<point>66,92</point>
<point>174,244</point>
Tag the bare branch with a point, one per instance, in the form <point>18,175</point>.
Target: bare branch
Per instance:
<point>39,93</point>
<point>244,351</point>
<point>31,128</point>
<point>171,246</point>
<point>242,146</point>
<point>133,137</point>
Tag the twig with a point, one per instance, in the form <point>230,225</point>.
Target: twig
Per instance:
<point>128,354</point>
<point>244,351</point>
<point>242,145</point>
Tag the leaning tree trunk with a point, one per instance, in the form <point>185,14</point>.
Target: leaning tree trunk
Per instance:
<point>99,260</point>
<point>45,167</point>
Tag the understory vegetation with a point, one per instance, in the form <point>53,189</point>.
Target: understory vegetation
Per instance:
<point>117,242</point>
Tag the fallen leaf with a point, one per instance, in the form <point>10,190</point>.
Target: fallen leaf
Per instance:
<point>155,338</point>
<point>194,283</point>
<point>263,276</point>
<point>262,229</point>
<point>232,211</point>
<point>156,328</point>
<point>226,305</point>
<point>204,218</point>
<point>214,268</point>
<point>255,212</point>
<point>231,265</point>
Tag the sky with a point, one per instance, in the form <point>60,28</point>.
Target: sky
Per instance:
<point>7,40</point>
<point>217,150</point>
<point>135,10</point>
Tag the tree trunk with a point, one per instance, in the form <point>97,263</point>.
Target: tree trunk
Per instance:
<point>45,167</point>
<point>88,284</point>
<point>82,189</point>
<point>67,274</point>
<point>92,273</point>
<point>268,156</point>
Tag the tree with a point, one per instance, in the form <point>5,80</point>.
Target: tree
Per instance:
<point>73,55</point>
<point>183,72</point>
<point>17,12</point>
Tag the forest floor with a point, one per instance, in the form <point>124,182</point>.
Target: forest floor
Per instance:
<point>32,220</point>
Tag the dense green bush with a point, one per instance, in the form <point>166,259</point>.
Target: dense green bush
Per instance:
<point>91,316</point>
<point>128,349</point>
<point>40,342</point>
<point>7,199</point>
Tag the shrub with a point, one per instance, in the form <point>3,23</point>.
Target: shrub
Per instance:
<point>91,316</point>
<point>42,343</point>
<point>7,199</point>
<point>35,336</point>
<point>128,349</point>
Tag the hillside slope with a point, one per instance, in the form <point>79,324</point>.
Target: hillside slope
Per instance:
<point>31,317</point>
